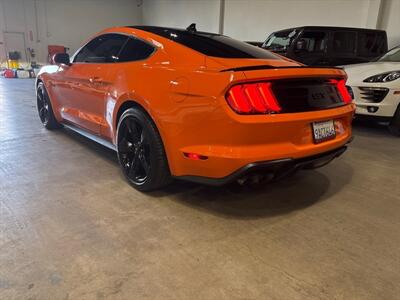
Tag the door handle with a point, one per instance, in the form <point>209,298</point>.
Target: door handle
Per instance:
<point>96,80</point>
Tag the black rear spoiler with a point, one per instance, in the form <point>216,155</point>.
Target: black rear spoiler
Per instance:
<point>269,67</point>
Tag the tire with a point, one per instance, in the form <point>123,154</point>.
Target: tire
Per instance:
<point>394,126</point>
<point>45,109</point>
<point>141,152</point>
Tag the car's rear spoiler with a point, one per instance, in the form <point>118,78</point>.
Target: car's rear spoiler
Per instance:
<point>269,67</point>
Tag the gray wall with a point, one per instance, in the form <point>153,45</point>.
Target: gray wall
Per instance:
<point>62,22</point>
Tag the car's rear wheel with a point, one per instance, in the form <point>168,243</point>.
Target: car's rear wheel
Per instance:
<point>45,109</point>
<point>394,126</point>
<point>141,152</point>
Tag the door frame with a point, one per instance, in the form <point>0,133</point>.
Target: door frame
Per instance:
<point>6,46</point>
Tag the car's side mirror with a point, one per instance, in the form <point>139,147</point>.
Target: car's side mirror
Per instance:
<point>300,45</point>
<point>61,58</point>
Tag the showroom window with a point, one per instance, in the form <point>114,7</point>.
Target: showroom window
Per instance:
<point>315,40</point>
<point>344,42</point>
<point>135,49</point>
<point>104,48</point>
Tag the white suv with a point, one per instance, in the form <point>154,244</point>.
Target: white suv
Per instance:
<point>376,88</point>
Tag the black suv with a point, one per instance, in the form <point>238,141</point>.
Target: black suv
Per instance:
<point>328,46</point>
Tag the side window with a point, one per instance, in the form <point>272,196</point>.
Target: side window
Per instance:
<point>371,44</point>
<point>315,41</point>
<point>104,48</point>
<point>344,42</point>
<point>135,49</point>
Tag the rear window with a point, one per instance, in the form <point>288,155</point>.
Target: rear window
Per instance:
<point>211,44</point>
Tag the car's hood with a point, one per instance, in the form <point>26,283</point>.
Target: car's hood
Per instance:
<point>359,72</point>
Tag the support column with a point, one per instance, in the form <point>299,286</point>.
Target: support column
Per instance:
<point>374,13</point>
<point>3,55</point>
<point>381,21</point>
<point>221,16</point>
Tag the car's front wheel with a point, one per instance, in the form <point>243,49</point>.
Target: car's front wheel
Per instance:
<point>141,152</point>
<point>394,125</point>
<point>45,109</point>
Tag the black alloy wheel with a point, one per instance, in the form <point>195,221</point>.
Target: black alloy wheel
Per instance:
<point>394,125</point>
<point>141,152</point>
<point>45,109</point>
<point>134,150</point>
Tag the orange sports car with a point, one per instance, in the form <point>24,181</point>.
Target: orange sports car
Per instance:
<point>198,106</point>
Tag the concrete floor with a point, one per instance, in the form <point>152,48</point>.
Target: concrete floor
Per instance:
<point>72,228</point>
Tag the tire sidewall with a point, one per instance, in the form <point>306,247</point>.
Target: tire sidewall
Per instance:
<point>41,89</point>
<point>51,122</point>
<point>394,125</point>
<point>149,129</point>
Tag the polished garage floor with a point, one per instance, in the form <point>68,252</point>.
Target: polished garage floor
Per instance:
<point>71,228</point>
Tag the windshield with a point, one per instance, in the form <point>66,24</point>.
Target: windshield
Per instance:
<point>391,56</point>
<point>279,40</point>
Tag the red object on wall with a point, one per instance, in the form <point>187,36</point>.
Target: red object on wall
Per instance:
<point>54,49</point>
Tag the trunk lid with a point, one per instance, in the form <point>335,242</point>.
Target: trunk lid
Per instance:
<point>271,69</point>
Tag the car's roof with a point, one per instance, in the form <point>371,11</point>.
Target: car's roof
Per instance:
<point>207,43</point>
<point>157,29</point>
<point>332,28</point>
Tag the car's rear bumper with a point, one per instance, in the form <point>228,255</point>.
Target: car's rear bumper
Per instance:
<point>242,140</point>
<point>275,169</point>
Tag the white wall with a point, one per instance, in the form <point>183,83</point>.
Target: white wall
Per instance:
<point>72,22</point>
<point>181,13</point>
<point>62,22</point>
<point>253,20</point>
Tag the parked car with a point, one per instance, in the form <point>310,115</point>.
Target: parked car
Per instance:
<point>376,89</point>
<point>328,46</point>
<point>198,106</point>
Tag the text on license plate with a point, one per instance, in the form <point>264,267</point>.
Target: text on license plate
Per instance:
<point>323,131</point>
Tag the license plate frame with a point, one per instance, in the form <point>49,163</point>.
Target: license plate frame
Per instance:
<point>323,131</point>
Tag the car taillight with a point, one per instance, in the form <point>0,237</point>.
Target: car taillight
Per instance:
<point>343,91</point>
<point>253,98</point>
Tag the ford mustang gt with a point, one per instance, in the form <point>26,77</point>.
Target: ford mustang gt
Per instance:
<point>198,106</point>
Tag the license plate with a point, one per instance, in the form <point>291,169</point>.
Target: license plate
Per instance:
<point>323,131</point>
